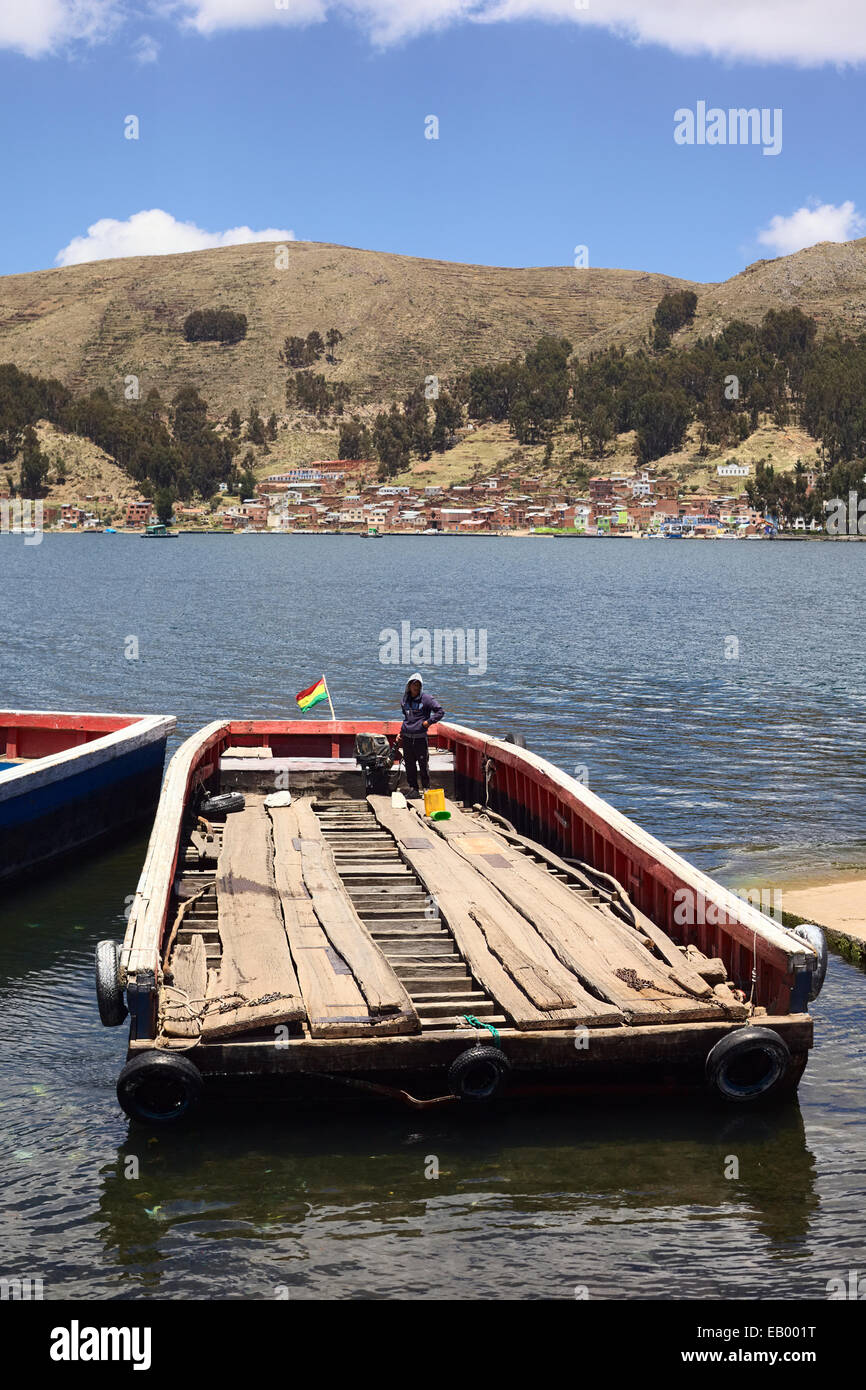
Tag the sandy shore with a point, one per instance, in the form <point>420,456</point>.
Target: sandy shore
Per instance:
<point>841,906</point>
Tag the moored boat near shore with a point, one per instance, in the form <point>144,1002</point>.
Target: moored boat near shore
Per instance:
<point>296,923</point>
<point>68,779</point>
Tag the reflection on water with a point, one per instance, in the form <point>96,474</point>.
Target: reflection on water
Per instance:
<point>596,658</point>
<point>601,1189</point>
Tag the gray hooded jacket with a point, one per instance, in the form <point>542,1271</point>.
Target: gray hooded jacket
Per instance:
<point>417,711</point>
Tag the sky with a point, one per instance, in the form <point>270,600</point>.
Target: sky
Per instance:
<point>566,131</point>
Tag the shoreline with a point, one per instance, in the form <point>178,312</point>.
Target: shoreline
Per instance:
<point>839,906</point>
<point>462,535</point>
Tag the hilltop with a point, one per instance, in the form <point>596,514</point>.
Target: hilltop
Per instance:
<point>401,317</point>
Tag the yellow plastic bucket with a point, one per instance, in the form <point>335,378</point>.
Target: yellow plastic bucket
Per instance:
<point>434,801</point>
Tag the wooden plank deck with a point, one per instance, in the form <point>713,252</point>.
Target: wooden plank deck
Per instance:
<point>309,928</point>
<point>594,947</point>
<point>256,969</point>
<point>503,950</point>
<point>349,990</point>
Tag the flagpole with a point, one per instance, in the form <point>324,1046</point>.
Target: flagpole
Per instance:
<point>330,701</point>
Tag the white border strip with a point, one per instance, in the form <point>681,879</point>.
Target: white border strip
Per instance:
<point>40,772</point>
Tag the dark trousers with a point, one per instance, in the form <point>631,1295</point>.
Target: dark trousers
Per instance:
<point>415,754</point>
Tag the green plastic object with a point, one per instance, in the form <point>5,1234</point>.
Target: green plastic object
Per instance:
<point>441,815</point>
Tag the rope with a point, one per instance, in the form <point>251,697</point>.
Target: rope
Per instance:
<point>479,1023</point>
<point>751,999</point>
<point>197,1009</point>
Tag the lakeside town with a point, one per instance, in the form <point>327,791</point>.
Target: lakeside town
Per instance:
<point>337,496</point>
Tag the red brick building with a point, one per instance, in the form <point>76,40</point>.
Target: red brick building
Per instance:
<point>138,513</point>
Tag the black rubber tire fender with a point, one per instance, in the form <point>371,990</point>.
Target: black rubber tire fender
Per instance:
<point>159,1087</point>
<point>734,1067</point>
<point>223,804</point>
<point>109,994</point>
<point>517,739</point>
<point>816,938</point>
<point>478,1073</point>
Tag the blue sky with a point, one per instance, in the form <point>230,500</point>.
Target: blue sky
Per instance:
<point>554,132</point>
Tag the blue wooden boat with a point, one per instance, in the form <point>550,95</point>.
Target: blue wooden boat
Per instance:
<point>69,779</point>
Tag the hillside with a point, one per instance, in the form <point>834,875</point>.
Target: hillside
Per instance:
<point>79,471</point>
<point>402,318</point>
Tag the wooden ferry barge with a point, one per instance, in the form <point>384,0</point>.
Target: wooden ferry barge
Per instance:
<point>342,945</point>
<point>67,780</point>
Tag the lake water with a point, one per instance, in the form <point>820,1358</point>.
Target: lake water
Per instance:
<point>714,692</point>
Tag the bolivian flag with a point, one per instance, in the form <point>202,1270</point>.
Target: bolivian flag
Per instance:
<point>307,698</point>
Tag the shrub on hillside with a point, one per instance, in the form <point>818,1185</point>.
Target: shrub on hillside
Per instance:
<point>215,326</point>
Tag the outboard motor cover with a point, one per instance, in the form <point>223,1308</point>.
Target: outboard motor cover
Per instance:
<point>374,753</point>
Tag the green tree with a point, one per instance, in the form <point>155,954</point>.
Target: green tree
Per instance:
<point>294,353</point>
<point>447,417</point>
<point>189,414</point>
<point>215,325</point>
<point>255,427</point>
<point>333,338</point>
<point>315,345</point>
<point>417,418</point>
<point>392,440</point>
<point>355,441</point>
<point>674,311</point>
<point>663,418</point>
<point>34,465</point>
<point>163,504</point>
<point>600,430</point>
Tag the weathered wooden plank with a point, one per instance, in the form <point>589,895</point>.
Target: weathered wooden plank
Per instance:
<point>681,970</point>
<point>183,993</point>
<point>534,980</point>
<point>465,900</point>
<point>734,1007</point>
<point>256,968</point>
<point>336,914</point>
<point>334,1003</point>
<point>711,969</point>
<point>597,947</point>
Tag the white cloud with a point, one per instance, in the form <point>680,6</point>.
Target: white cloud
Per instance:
<point>770,31</point>
<point>798,32</point>
<point>209,16</point>
<point>38,27</point>
<point>809,225</point>
<point>145,49</point>
<point>155,233</point>
<point>793,31</point>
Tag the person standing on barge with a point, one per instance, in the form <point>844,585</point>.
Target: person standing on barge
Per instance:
<point>419,712</point>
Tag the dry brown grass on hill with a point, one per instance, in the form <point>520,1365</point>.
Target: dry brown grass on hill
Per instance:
<point>86,469</point>
<point>779,446</point>
<point>402,318</point>
<point>292,448</point>
<point>492,449</point>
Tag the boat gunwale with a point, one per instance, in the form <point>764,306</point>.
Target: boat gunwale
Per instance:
<point>136,731</point>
